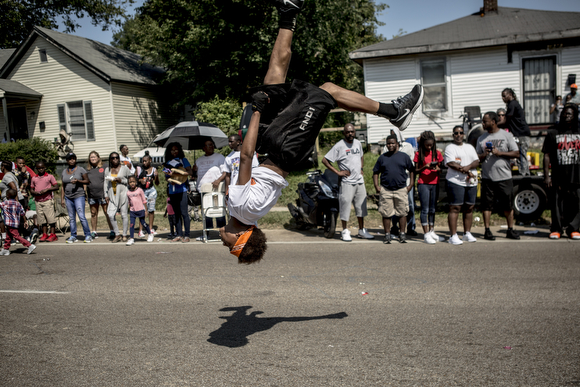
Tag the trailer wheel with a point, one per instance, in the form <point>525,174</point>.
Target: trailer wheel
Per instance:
<point>529,202</point>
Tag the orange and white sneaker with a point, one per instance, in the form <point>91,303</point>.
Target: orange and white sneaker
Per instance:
<point>575,235</point>
<point>555,235</point>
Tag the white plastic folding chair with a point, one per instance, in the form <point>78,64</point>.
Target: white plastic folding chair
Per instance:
<point>213,205</point>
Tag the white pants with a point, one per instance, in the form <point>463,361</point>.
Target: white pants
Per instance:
<point>112,210</point>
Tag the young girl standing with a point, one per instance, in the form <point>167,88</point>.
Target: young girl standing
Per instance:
<point>427,161</point>
<point>170,215</point>
<point>137,203</point>
<point>147,180</point>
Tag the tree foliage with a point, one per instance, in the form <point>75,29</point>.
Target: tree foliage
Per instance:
<point>222,47</point>
<point>224,113</point>
<point>18,18</point>
<point>32,150</point>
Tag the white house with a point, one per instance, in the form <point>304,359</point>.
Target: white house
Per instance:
<point>469,61</point>
<point>102,96</point>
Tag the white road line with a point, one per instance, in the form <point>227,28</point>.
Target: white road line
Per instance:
<point>33,291</point>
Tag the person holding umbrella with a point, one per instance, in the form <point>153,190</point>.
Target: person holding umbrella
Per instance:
<point>285,124</point>
<point>177,191</point>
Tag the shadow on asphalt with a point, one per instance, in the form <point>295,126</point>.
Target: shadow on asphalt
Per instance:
<point>235,331</point>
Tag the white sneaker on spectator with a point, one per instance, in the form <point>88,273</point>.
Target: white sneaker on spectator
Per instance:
<point>345,235</point>
<point>130,242</point>
<point>363,233</point>
<point>454,240</point>
<point>141,234</point>
<point>467,237</point>
<point>428,239</point>
<point>150,237</point>
<point>436,237</point>
<point>153,231</point>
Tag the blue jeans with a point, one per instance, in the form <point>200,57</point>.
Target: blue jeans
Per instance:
<point>428,199</point>
<point>410,215</point>
<point>220,222</point>
<point>77,207</point>
<point>179,203</point>
<point>133,215</point>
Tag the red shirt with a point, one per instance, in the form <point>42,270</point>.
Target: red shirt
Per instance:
<point>428,176</point>
<point>43,182</point>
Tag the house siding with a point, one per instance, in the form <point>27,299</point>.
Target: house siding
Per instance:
<point>63,80</point>
<point>474,78</point>
<point>570,64</point>
<point>139,117</point>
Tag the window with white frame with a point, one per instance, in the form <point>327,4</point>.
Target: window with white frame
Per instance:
<point>76,118</point>
<point>433,76</point>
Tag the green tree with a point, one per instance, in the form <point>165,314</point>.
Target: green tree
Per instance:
<point>221,47</point>
<point>32,150</point>
<point>223,113</point>
<point>18,18</point>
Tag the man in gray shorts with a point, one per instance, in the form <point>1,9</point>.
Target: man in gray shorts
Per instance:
<point>348,153</point>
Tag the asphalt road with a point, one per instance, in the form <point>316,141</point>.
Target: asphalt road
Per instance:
<point>497,313</point>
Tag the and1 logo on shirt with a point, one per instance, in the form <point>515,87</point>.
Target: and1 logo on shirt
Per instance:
<point>568,148</point>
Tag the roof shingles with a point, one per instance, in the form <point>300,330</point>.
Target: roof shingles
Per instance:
<point>508,25</point>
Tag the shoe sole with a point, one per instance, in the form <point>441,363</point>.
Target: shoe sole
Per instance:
<point>413,110</point>
<point>346,240</point>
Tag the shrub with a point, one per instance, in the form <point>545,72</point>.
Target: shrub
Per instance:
<point>32,150</point>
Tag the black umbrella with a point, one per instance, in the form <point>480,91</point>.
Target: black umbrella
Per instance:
<point>192,135</point>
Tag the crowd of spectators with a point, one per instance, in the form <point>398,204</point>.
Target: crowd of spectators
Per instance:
<point>505,140</point>
<point>28,203</point>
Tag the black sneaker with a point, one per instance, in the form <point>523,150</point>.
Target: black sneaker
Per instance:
<point>488,235</point>
<point>511,234</point>
<point>402,238</point>
<point>387,240</point>
<point>411,232</point>
<point>289,7</point>
<point>406,106</point>
<point>34,236</point>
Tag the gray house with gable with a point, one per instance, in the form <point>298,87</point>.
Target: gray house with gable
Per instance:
<point>469,61</point>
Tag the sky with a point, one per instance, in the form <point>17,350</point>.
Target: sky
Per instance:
<point>408,15</point>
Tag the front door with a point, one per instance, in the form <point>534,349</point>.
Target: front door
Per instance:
<point>539,88</point>
<point>18,123</point>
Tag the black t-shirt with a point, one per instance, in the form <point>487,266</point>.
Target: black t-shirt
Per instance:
<point>393,168</point>
<point>97,180</point>
<point>516,119</point>
<point>563,146</point>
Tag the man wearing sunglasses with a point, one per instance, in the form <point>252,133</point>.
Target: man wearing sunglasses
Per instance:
<point>462,162</point>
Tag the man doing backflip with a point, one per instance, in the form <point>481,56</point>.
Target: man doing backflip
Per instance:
<point>286,121</point>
